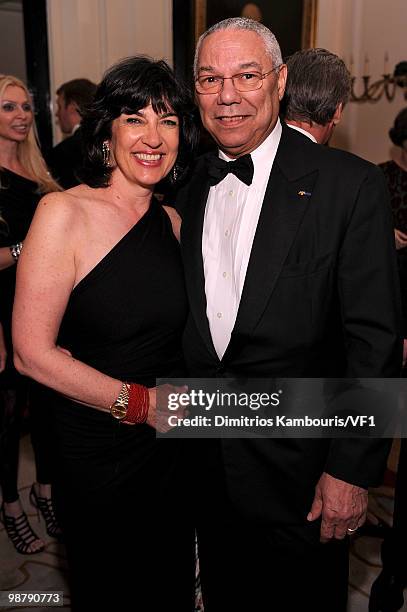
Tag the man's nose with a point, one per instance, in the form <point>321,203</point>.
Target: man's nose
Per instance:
<point>229,94</point>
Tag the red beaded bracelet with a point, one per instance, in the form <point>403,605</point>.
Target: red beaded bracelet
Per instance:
<point>139,403</point>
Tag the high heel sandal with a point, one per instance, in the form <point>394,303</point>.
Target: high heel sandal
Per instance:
<point>20,533</point>
<point>44,505</point>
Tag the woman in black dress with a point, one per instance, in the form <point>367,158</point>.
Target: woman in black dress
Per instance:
<point>23,179</point>
<point>387,590</point>
<point>395,171</point>
<point>102,274</point>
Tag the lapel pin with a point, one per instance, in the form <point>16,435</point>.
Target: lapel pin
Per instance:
<point>304,193</point>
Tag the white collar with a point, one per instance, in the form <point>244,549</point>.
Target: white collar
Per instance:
<point>267,147</point>
<point>267,150</point>
<point>308,134</point>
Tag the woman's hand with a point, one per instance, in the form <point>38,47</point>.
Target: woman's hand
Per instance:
<point>159,411</point>
<point>401,239</point>
<point>3,350</point>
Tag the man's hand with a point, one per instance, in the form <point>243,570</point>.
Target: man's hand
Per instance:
<point>400,238</point>
<point>342,506</point>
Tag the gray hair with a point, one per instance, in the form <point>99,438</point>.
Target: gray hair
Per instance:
<point>317,82</point>
<point>243,23</point>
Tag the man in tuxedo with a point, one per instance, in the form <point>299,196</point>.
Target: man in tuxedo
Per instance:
<point>290,272</point>
<point>65,158</point>
<point>317,90</point>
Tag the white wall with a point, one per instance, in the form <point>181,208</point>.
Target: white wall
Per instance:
<point>87,36</point>
<point>12,52</point>
<point>357,28</point>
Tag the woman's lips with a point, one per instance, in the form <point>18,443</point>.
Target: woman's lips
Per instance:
<point>20,128</point>
<point>149,159</point>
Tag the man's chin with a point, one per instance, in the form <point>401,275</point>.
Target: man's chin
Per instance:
<point>234,150</point>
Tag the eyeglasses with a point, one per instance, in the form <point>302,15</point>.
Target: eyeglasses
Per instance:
<point>244,81</point>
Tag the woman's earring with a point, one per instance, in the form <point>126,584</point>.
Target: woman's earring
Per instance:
<point>106,153</point>
<point>174,174</point>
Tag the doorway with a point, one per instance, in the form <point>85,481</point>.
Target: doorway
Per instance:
<point>24,54</point>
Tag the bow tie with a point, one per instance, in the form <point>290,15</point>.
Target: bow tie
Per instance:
<point>219,168</point>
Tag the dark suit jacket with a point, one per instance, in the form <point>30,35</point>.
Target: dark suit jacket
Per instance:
<point>65,159</point>
<point>320,299</point>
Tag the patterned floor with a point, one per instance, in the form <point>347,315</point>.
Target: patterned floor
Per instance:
<point>43,571</point>
<point>47,570</point>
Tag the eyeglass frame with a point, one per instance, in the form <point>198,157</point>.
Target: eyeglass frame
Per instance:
<point>262,77</point>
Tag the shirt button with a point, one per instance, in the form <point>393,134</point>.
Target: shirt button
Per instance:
<point>227,233</point>
<point>224,275</point>
<point>231,192</point>
<point>219,315</point>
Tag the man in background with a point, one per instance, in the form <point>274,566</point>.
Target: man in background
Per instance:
<point>65,158</point>
<point>318,87</point>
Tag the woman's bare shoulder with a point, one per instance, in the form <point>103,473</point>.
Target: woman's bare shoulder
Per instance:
<point>70,202</point>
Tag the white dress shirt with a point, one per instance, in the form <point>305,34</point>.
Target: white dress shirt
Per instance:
<point>231,216</point>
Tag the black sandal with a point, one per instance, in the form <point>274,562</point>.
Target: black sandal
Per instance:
<point>20,533</point>
<point>44,505</point>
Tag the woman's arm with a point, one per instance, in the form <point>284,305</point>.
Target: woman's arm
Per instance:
<point>45,279</point>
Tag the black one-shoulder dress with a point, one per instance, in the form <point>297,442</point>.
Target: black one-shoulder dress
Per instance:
<point>121,494</point>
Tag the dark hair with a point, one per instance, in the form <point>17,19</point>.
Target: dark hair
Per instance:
<point>79,91</point>
<point>398,133</point>
<point>317,82</point>
<point>127,87</point>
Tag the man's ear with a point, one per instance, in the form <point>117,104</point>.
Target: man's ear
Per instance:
<point>72,107</point>
<point>282,78</point>
<point>337,114</point>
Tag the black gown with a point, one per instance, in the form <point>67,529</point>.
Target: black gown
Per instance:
<point>19,197</point>
<point>120,492</point>
<point>388,587</point>
<point>396,179</point>
<point>18,200</point>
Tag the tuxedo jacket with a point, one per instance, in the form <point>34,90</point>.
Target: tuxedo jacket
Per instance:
<point>65,160</point>
<point>320,299</point>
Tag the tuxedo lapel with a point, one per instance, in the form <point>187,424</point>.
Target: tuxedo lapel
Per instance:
<point>191,245</point>
<point>287,198</point>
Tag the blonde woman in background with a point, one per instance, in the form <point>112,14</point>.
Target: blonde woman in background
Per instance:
<point>24,178</point>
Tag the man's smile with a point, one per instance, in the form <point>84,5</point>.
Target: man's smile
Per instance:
<point>231,119</point>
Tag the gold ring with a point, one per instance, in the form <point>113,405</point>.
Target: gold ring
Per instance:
<point>352,530</point>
